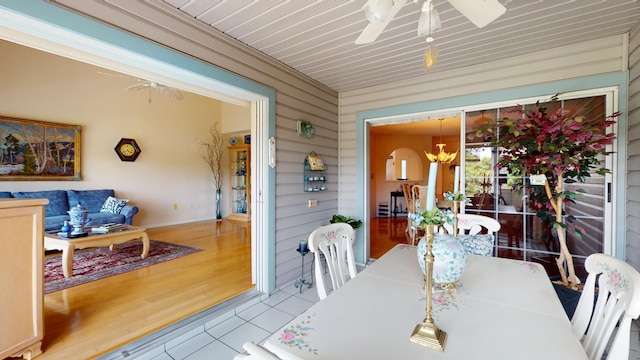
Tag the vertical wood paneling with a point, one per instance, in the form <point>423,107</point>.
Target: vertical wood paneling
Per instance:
<point>583,59</point>
<point>632,249</point>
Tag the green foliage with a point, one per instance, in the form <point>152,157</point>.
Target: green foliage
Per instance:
<point>564,147</point>
<point>337,218</point>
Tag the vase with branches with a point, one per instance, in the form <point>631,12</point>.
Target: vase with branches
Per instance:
<point>557,148</point>
<point>212,151</point>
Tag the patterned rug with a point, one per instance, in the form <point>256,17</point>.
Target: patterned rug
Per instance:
<point>95,264</point>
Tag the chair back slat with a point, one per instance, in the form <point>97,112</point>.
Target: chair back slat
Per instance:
<point>617,302</point>
<point>335,243</point>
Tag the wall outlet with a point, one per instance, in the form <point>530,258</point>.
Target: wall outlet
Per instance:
<point>313,203</point>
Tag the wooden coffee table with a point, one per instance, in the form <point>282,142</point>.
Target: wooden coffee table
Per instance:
<point>68,245</point>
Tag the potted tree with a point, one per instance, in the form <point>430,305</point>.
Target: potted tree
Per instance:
<point>557,149</point>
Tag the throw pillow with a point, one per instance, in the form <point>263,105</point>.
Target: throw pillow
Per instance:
<point>113,205</point>
<point>480,244</point>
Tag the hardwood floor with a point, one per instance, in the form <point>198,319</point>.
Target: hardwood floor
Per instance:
<point>92,319</point>
<point>385,233</point>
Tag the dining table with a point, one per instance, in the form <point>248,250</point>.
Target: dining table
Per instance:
<point>499,309</point>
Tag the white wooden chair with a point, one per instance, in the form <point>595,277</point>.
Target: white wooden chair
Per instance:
<point>419,196</point>
<point>335,243</point>
<point>255,352</point>
<point>476,232</point>
<point>618,304</point>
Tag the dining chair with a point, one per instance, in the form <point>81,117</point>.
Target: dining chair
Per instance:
<point>419,196</point>
<point>335,243</point>
<point>617,304</point>
<point>255,352</point>
<point>477,233</point>
<point>408,196</point>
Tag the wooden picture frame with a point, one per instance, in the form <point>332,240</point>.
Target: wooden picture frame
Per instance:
<point>23,155</point>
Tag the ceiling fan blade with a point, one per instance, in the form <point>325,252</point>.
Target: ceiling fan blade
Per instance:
<point>479,12</point>
<point>170,92</point>
<point>137,87</point>
<point>372,31</point>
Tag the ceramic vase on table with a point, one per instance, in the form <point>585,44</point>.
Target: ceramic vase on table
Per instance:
<point>78,218</point>
<point>450,258</point>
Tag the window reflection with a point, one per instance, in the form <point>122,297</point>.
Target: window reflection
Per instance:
<point>523,235</point>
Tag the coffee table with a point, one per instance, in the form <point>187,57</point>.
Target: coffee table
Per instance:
<point>68,245</point>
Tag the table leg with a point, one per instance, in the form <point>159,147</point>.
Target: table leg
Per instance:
<point>145,245</point>
<point>67,261</point>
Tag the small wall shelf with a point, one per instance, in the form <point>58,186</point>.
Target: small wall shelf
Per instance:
<point>314,176</point>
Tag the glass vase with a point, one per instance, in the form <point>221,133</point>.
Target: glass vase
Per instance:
<point>218,204</point>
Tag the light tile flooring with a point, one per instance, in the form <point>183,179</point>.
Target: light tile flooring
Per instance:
<point>222,337</point>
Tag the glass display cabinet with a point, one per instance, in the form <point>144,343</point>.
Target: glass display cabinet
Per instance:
<point>240,182</point>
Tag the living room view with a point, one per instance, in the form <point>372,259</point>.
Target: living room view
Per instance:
<point>169,188</point>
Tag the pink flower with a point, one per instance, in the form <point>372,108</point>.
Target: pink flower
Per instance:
<point>288,336</point>
<point>615,278</point>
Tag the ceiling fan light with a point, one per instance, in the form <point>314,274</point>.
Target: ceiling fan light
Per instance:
<point>377,11</point>
<point>428,17</point>
<point>430,57</point>
<point>480,13</point>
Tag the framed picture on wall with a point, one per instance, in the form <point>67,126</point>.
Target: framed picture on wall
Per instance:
<point>39,150</point>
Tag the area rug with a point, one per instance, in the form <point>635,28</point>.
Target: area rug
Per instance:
<point>99,263</point>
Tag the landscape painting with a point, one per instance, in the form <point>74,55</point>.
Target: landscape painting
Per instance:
<point>38,150</point>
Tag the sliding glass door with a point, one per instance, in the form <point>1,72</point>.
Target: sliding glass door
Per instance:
<point>523,235</point>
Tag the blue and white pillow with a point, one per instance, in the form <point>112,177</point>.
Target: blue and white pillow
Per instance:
<point>113,205</point>
<point>480,244</point>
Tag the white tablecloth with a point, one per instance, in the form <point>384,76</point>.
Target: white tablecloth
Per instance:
<point>502,309</point>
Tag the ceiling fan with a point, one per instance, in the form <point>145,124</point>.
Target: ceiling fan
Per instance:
<point>381,12</point>
<point>165,90</point>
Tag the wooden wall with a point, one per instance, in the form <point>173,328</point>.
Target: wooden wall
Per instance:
<point>297,97</point>
<point>599,56</point>
<point>632,251</point>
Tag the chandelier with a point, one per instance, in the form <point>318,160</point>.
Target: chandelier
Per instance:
<point>442,156</point>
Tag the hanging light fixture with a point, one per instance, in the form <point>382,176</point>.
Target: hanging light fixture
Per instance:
<point>429,21</point>
<point>442,156</point>
<point>377,11</point>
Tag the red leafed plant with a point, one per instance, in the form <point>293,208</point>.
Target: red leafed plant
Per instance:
<point>565,149</point>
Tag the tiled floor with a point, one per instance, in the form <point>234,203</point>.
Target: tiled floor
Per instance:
<point>222,337</point>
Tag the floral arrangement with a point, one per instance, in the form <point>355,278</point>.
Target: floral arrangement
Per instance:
<point>458,196</point>
<point>428,217</point>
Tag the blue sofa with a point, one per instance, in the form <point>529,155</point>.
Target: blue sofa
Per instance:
<point>60,201</point>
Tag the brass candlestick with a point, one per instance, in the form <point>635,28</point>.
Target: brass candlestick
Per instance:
<point>455,209</point>
<point>428,334</point>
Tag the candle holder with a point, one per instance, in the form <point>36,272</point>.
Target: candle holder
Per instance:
<point>455,209</point>
<point>428,334</point>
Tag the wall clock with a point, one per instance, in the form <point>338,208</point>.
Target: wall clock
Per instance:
<point>127,149</point>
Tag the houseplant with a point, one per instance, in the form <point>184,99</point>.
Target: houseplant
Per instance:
<point>337,218</point>
<point>558,149</point>
<point>212,152</point>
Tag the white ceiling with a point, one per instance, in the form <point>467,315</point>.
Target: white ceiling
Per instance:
<point>317,37</point>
